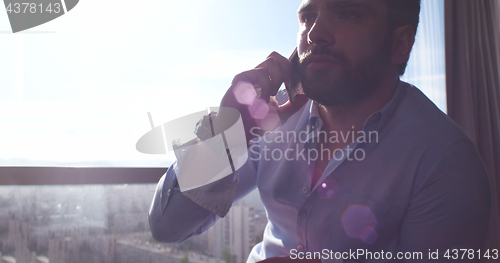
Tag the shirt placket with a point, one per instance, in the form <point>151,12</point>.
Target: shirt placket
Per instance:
<point>304,210</point>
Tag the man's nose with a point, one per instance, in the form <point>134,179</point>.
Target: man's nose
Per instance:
<point>321,32</point>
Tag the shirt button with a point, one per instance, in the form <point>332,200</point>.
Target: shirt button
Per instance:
<point>168,192</point>
<point>300,248</point>
<point>305,190</point>
<point>302,213</point>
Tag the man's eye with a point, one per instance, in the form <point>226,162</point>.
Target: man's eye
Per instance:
<point>308,18</point>
<point>348,15</point>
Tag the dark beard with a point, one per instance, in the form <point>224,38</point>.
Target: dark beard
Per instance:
<point>356,83</point>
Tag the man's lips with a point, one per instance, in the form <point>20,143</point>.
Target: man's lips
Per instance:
<point>320,61</point>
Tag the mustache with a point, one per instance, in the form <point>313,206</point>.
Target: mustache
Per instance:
<point>333,54</point>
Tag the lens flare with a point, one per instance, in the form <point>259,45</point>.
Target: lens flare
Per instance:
<point>244,92</point>
<point>360,222</point>
<point>328,189</point>
<point>270,121</point>
<point>259,109</point>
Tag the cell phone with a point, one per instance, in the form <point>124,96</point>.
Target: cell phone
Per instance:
<point>294,87</point>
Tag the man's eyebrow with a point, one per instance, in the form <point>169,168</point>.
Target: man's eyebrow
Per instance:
<point>347,4</point>
<point>306,8</point>
<point>335,5</point>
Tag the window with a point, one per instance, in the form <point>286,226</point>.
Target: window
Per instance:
<point>426,67</point>
<point>75,97</point>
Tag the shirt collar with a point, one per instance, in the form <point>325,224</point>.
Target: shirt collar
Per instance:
<point>375,122</point>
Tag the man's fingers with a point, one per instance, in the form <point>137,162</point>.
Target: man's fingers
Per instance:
<point>266,79</point>
<point>275,74</point>
<point>259,78</point>
<point>278,70</point>
<point>284,64</point>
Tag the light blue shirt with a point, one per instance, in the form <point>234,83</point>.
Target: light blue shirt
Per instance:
<point>412,182</point>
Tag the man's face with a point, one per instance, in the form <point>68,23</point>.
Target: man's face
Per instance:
<point>344,49</point>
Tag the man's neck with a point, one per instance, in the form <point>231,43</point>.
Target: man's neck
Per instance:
<point>345,117</point>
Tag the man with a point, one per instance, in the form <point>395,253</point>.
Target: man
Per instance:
<point>364,167</point>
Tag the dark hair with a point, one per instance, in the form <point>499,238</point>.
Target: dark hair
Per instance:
<point>400,13</point>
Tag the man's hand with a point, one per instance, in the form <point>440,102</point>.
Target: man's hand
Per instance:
<point>252,94</point>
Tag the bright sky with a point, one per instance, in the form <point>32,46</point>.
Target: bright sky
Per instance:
<point>76,90</point>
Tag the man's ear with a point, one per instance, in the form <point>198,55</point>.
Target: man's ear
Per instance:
<point>402,42</point>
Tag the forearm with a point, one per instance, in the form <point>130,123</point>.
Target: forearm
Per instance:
<point>176,217</point>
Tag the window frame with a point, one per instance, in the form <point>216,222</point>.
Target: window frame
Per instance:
<point>51,175</point>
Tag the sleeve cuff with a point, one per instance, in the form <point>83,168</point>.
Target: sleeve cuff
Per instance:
<point>217,197</point>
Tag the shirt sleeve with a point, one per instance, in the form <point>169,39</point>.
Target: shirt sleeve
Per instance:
<point>449,208</point>
<point>175,216</point>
